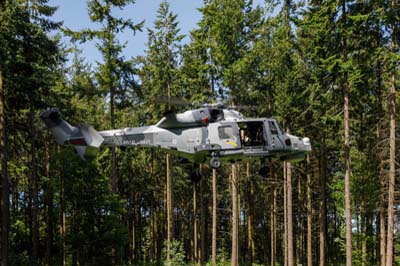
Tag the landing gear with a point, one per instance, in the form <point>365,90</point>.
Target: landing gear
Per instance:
<point>195,176</point>
<point>215,161</point>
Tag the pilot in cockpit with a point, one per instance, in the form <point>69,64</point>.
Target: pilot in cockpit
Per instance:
<point>245,136</point>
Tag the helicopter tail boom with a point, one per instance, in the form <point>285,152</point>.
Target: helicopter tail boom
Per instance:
<point>84,138</point>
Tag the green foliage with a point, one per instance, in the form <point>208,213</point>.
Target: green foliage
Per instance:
<point>175,252</point>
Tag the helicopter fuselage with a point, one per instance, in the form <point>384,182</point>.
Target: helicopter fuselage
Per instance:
<point>197,135</point>
<point>220,139</point>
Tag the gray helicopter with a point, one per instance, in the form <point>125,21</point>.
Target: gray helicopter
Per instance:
<point>211,133</point>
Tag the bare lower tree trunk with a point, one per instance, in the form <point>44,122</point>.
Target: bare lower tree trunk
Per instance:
<point>5,202</point>
<point>285,220</point>
<point>63,222</point>
<point>195,225</point>
<point>347,175</point>
<point>235,227</point>
<point>272,215</point>
<point>300,229</point>
<point>382,236</point>
<point>214,218</point>
<point>290,214</point>
<point>49,204</point>
<point>133,236</point>
<point>392,160</point>
<point>273,222</point>
<point>309,213</point>
<point>169,205</point>
<point>202,223</point>
<point>250,216</point>
<point>381,209</point>
<point>363,233</point>
<point>322,208</point>
<point>34,184</point>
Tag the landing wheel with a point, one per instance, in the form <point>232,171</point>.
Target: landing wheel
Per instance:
<point>195,176</point>
<point>215,162</point>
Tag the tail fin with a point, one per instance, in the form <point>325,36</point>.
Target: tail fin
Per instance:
<point>84,138</point>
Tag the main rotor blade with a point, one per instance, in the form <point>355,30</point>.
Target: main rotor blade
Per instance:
<point>172,100</point>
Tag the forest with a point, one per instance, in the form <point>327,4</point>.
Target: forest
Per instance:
<point>325,69</point>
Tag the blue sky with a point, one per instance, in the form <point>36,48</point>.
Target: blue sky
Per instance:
<point>74,15</point>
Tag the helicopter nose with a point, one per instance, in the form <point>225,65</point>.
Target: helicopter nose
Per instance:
<point>307,144</point>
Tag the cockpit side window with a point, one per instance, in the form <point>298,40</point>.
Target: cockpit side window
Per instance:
<point>225,132</point>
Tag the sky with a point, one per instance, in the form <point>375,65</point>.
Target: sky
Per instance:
<point>74,15</point>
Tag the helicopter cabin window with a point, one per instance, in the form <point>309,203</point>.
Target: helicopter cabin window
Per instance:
<point>225,132</point>
<point>252,134</point>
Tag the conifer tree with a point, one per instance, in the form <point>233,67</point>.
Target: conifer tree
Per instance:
<point>159,75</point>
<point>115,73</point>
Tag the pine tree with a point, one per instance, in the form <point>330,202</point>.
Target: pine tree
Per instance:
<point>115,73</point>
<point>159,75</point>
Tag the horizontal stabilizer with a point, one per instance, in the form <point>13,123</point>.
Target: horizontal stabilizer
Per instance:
<point>86,152</point>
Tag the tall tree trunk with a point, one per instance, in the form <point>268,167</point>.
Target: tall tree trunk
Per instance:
<point>363,233</point>
<point>235,227</point>
<point>132,238</point>
<point>34,184</point>
<point>195,225</point>
<point>49,204</point>
<point>113,154</point>
<point>169,204</point>
<point>290,214</point>
<point>347,147</point>
<point>113,163</point>
<point>5,202</point>
<point>63,222</point>
<point>382,235</point>
<point>250,216</point>
<point>202,223</point>
<point>112,107</point>
<point>299,235</point>
<point>381,209</point>
<point>392,159</point>
<point>347,175</point>
<point>214,219</point>
<point>309,213</point>
<point>273,222</point>
<point>285,216</point>
<point>322,207</point>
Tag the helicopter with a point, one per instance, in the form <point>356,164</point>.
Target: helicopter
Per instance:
<point>211,133</point>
